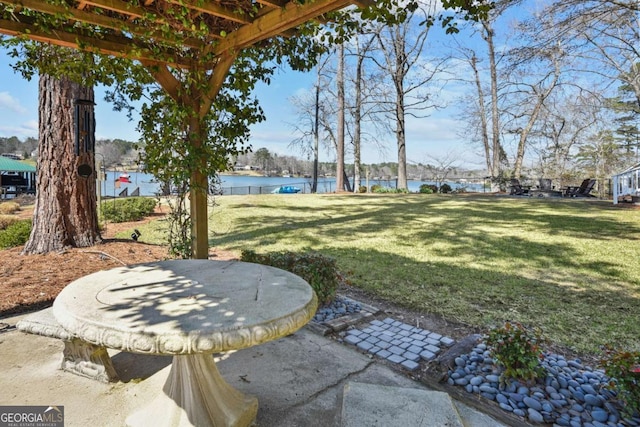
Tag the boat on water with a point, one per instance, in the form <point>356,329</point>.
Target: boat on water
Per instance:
<point>286,189</point>
<point>124,178</point>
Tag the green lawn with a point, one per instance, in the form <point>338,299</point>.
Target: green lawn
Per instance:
<point>571,267</point>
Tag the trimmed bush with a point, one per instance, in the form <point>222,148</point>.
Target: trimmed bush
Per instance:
<point>428,189</point>
<point>445,188</point>
<point>15,234</point>
<point>318,270</point>
<point>7,220</point>
<point>129,209</point>
<point>389,190</point>
<point>8,208</point>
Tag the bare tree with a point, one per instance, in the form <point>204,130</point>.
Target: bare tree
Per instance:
<point>604,35</point>
<point>340,125</point>
<point>566,121</point>
<point>402,48</point>
<point>316,116</point>
<point>485,115</point>
<point>442,167</point>
<point>364,111</point>
<point>599,156</point>
<point>535,72</point>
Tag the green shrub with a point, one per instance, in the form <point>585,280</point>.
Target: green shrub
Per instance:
<point>445,188</point>
<point>380,189</point>
<point>517,349</point>
<point>362,189</point>
<point>375,188</point>
<point>7,220</point>
<point>8,208</point>
<point>318,270</point>
<point>129,209</point>
<point>623,368</point>
<point>428,189</point>
<point>15,234</point>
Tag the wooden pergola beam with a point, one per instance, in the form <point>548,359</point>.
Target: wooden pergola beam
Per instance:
<point>119,46</point>
<point>276,22</point>
<point>271,22</point>
<point>273,3</point>
<point>119,6</point>
<point>207,7</point>
<point>213,9</point>
<point>98,20</point>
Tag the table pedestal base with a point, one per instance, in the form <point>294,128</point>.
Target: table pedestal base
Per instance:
<point>195,394</point>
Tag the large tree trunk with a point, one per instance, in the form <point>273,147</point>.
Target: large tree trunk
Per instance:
<point>65,213</point>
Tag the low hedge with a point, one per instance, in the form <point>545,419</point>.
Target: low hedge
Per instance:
<point>128,209</point>
<point>321,272</point>
<point>15,234</point>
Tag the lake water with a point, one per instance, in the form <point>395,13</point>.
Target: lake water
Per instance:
<point>239,184</point>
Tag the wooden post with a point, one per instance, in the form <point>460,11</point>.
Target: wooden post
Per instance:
<point>199,219</point>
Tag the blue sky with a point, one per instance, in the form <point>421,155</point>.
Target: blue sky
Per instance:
<point>427,138</point>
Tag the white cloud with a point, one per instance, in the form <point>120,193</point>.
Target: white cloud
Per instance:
<point>9,102</point>
<point>22,131</point>
<point>432,129</point>
<point>31,125</point>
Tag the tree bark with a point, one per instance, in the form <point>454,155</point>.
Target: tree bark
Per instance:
<point>495,114</point>
<point>482,113</point>
<point>340,128</point>
<point>357,119</point>
<point>65,213</point>
<point>399,78</point>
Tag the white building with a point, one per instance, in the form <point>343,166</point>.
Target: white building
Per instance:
<point>626,184</point>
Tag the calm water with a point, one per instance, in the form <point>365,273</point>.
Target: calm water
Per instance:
<point>237,184</point>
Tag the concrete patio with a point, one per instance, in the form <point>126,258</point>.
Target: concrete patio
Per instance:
<point>304,379</point>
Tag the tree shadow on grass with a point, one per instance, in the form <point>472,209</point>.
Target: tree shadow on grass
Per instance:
<point>484,229</point>
<point>570,311</point>
<point>581,303</point>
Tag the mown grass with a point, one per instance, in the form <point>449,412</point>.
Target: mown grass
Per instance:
<point>568,266</point>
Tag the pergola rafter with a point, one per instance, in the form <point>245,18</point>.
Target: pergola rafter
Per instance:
<point>198,35</point>
<point>135,29</point>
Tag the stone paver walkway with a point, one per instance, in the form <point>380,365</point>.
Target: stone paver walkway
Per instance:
<point>398,342</point>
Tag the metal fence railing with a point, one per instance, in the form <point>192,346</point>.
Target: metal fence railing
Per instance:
<point>305,187</point>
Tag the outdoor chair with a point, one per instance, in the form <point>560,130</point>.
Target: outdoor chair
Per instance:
<point>583,190</point>
<point>516,189</point>
<point>545,184</point>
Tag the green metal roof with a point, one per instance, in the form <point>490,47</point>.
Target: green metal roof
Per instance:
<point>10,165</point>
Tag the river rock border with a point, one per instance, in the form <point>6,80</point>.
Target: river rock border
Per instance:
<point>353,313</point>
<point>571,395</point>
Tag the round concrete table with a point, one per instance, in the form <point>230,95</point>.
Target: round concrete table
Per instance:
<point>189,309</point>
